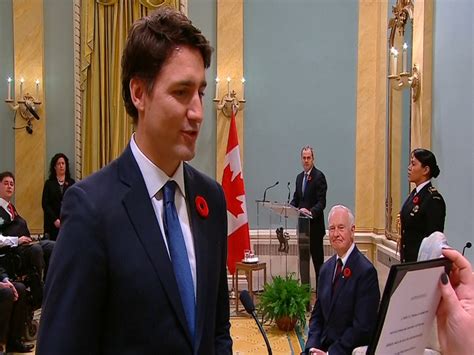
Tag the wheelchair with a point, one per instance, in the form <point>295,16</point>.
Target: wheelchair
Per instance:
<point>11,261</point>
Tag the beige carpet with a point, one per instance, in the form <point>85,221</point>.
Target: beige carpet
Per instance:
<point>248,340</point>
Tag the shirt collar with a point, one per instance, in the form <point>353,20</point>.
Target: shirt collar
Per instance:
<point>154,177</point>
<point>419,187</point>
<point>346,255</point>
<point>4,204</point>
<point>307,173</point>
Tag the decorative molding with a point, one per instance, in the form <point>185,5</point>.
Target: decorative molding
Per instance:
<point>77,89</point>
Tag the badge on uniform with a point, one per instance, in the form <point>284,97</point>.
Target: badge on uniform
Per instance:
<point>414,210</point>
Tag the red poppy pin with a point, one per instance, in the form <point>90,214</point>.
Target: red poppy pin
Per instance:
<point>347,273</point>
<point>201,206</point>
<point>309,178</point>
<point>416,199</point>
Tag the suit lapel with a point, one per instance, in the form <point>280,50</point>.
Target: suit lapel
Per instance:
<point>142,216</point>
<point>325,295</point>
<point>200,248</point>
<point>341,284</point>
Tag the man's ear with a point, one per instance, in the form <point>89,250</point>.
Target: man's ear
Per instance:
<point>138,93</point>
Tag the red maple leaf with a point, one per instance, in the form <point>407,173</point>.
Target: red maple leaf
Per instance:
<point>232,190</point>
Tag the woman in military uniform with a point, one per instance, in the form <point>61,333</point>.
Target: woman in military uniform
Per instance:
<point>424,210</point>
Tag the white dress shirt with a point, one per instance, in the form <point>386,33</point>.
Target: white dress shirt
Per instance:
<point>7,241</point>
<point>155,180</point>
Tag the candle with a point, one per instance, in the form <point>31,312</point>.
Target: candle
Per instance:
<point>393,61</point>
<point>21,88</point>
<point>404,58</point>
<point>37,88</point>
<point>217,88</point>
<point>243,88</point>
<point>9,92</point>
<point>228,86</point>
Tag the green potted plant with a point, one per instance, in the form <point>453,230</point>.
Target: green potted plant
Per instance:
<point>284,301</point>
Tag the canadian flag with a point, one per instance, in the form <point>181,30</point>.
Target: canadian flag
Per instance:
<point>234,190</point>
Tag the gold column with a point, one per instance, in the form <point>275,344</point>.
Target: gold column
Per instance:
<point>371,116</point>
<point>423,58</point>
<point>230,58</point>
<point>29,148</point>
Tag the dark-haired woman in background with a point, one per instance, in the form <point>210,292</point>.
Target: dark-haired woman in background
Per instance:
<point>54,188</point>
<point>424,211</point>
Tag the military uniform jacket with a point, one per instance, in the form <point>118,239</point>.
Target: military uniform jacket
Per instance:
<point>421,215</point>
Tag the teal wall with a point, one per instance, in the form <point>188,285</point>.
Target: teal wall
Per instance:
<point>453,116</point>
<point>59,79</point>
<point>301,67</point>
<point>7,139</point>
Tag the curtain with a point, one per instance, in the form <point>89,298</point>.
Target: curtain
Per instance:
<point>106,127</point>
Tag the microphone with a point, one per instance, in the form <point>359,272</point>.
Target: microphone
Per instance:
<point>268,188</point>
<point>250,308</point>
<point>289,192</point>
<point>468,245</point>
<point>31,110</point>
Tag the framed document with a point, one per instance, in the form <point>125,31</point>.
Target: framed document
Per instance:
<point>408,308</point>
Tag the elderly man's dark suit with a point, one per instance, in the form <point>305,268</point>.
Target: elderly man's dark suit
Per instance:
<point>313,199</point>
<point>421,215</point>
<point>346,319</point>
<point>112,289</point>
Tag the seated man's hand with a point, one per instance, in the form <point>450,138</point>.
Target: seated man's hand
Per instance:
<point>8,284</point>
<point>24,240</point>
<point>57,223</point>
<point>314,351</point>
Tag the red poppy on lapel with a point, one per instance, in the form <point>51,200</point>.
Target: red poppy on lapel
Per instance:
<point>416,199</point>
<point>201,206</point>
<point>309,178</point>
<point>347,273</point>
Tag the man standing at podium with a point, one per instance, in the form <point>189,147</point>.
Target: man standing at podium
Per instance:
<point>310,199</point>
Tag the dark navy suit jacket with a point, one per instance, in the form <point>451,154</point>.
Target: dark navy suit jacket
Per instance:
<point>111,288</point>
<point>314,199</point>
<point>347,319</point>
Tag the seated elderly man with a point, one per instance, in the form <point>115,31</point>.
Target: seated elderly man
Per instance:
<point>14,230</point>
<point>345,313</point>
<point>13,313</point>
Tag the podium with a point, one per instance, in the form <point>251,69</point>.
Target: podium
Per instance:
<point>285,248</point>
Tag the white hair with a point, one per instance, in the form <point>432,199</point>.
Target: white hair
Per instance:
<point>342,207</point>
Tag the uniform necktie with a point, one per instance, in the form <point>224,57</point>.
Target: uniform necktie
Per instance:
<point>337,274</point>
<point>11,209</point>
<point>179,255</point>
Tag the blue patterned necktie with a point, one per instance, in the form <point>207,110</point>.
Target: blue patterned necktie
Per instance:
<point>305,181</point>
<point>179,255</point>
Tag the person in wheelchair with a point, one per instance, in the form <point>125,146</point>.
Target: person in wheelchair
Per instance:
<point>13,315</point>
<point>14,234</point>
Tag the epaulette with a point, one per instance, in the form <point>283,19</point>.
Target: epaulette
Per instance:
<point>433,190</point>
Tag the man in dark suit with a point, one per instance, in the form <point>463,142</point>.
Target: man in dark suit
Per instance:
<point>345,313</point>
<point>310,198</point>
<point>14,233</point>
<point>140,264</point>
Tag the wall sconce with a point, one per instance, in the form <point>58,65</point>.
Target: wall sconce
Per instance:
<point>229,101</point>
<point>402,13</point>
<point>404,79</point>
<point>25,105</point>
